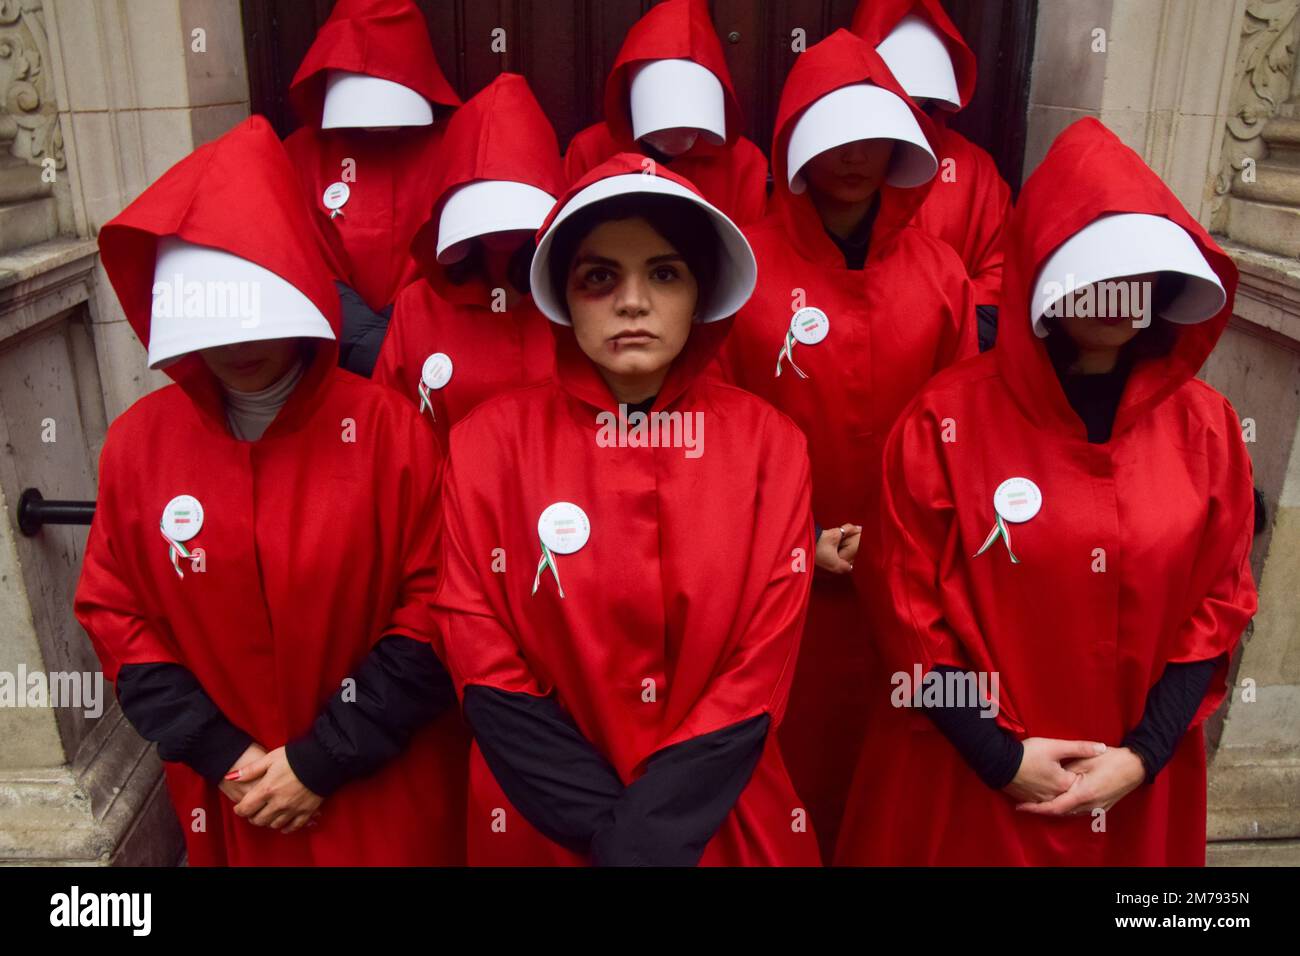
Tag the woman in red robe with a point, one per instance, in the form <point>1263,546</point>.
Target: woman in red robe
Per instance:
<point>622,672</point>
<point>469,329</point>
<point>370,95</point>
<point>669,97</point>
<point>970,202</point>
<point>856,307</point>
<point>221,586</point>
<point>1071,512</point>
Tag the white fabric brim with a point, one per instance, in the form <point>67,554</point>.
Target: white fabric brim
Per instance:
<point>677,94</point>
<point>861,111</point>
<point>358,100</point>
<point>918,57</point>
<point>205,297</point>
<point>488,206</point>
<point>1128,244</point>
<point>737,271</point>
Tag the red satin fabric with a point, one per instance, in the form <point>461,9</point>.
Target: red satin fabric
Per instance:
<point>390,173</point>
<point>1167,503</point>
<point>500,134</point>
<point>732,176</point>
<point>663,634</point>
<point>318,539</point>
<point>969,203</point>
<point>893,324</point>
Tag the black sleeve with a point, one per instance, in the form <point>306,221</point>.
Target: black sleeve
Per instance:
<point>363,332</point>
<point>550,772</point>
<point>166,705</point>
<point>993,753</point>
<point>1172,702</point>
<point>986,325</point>
<point>400,686</point>
<point>668,815</point>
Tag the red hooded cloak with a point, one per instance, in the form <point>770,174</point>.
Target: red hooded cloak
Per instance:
<point>893,324</point>
<point>656,595</point>
<point>390,174</point>
<point>1166,504</point>
<point>970,201</point>
<point>500,134</point>
<point>345,478</point>
<point>733,176</point>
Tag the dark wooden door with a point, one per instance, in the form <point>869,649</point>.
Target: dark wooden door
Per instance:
<point>566,47</point>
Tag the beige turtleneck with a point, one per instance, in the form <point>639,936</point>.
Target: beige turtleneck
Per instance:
<point>251,413</point>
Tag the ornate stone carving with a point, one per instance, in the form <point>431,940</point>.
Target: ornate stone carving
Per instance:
<point>1265,64</point>
<point>29,121</point>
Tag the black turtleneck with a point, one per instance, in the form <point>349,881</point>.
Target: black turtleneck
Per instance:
<point>1095,398</point>
<point>855,245</point>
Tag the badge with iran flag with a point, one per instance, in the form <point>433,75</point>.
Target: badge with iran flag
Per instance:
<point>1016,500</point>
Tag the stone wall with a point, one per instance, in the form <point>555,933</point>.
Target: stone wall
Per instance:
<point>1205,91</point>
<point>97,98</point>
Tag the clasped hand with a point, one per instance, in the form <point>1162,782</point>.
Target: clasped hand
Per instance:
<point>1069,777</point>
<point>266,791</point>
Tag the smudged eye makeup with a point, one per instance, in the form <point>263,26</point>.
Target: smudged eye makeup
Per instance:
<point>598,277</point>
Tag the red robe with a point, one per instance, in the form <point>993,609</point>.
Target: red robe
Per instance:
<point>732,176</point>
<point>969,203</point>
<point>318,539</point>
<point>893,324</point>
<point>658,592</point>
<point>502,134</point>
<point>1168,499</point>
<point>391,176</point>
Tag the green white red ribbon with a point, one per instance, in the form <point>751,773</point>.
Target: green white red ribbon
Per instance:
<point>1000,530</point>
<point>547,560</point>
<point>426,401</point>
<point>787,352</point>
<point>175,549</point>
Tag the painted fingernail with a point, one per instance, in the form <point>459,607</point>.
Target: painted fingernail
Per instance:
<point>234,775</point>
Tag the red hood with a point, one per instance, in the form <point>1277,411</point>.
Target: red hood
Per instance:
<point>575,372</point>
<point>672,30</point>
<point>1089,173</point>
<point>384,38</point>
<point>500,133</point>
<point>839,60</point>
<point>239,194</point>
<point>875,19</point>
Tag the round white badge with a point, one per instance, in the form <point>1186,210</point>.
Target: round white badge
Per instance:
<point>437,370</point>
<point>336,194</point>
<point>182,518</point>
<point>1017,500</point>
<point>563,527</point>
<point>810,326</point>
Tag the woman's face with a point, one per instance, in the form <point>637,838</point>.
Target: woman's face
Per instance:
<point>632,300</point>
<point>850,173</point>
<point>251,366</point>
<point>1114,312</point>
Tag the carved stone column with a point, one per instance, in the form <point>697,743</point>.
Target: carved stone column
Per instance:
<point>1255,776</point>
<point>1205,91</point>
<point>29,129</point>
